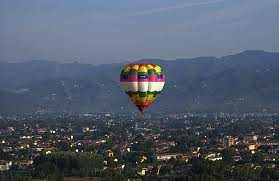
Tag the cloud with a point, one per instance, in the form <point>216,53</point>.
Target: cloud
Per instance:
<point>175,7</point>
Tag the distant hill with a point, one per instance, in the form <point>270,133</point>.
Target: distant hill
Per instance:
<point>244,82</point>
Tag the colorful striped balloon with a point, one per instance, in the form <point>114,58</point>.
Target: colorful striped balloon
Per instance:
<point>142,82</point>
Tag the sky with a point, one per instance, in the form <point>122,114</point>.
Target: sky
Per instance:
<point>103,31</point>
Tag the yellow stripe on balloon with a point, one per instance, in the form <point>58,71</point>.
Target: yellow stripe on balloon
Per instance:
<point>143,68</point>
<point>157,69</point>
<point>135,66</point>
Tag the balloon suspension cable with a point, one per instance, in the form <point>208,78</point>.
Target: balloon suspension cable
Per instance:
<point>140,109</point>
<point>141,112</point>
<point>141,115</point>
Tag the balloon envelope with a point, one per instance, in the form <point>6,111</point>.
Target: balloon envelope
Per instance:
<point>142,83</point>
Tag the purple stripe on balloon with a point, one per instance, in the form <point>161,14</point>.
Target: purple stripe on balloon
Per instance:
<point>146,80</point>
<point>141,78</point>
<point>159,80</point>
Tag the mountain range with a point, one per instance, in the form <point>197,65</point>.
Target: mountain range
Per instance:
<point>243,82</point>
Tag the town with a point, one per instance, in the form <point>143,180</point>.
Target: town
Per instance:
<point>187,146</point>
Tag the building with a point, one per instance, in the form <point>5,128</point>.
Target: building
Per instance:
<point>5,165</point>
<point>229,141</point>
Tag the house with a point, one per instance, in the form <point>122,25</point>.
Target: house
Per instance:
<point>109,153</point>
<point>5,165</point>
<point>165,157</point>
<point>214,157</point>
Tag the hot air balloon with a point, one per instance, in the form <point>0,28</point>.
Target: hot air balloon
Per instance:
<point>142,83</point>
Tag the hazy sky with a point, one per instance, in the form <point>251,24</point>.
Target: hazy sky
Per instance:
<point>105,31</point>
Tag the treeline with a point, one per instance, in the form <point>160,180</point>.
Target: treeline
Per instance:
<point>56,166</point>
<point>68,164</point>
<point>204,170</point>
